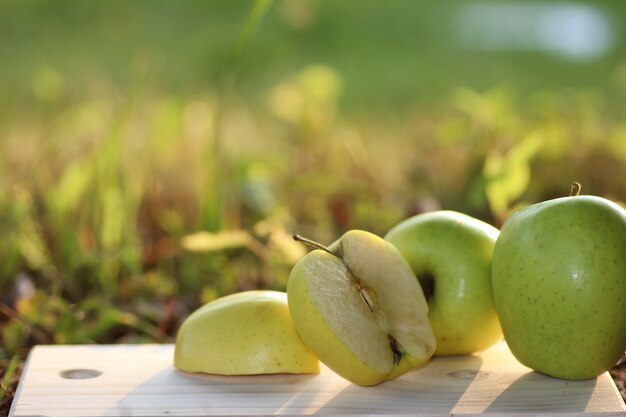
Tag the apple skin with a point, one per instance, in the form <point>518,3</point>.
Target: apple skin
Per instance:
<point>455,251</point>
<point>245,333</point>
<point>559,282</point>
<point>337,324</point>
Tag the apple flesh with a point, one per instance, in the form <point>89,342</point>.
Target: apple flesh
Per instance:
<point>559,282</point>
<point>450,254</point>
<point>358,307</point>
<point>246,333</point>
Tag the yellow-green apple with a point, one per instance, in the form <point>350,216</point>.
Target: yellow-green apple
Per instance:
<point>245,333</point>
<point>358,307</point>
<point>559,282</point>
<point>450,253</point>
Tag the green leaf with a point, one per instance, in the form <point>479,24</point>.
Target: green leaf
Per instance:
<point>507,176</point>
<point>214,242</point>
<point>69,190</point>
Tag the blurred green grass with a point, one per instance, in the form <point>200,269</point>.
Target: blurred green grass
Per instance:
<point>154,157</point>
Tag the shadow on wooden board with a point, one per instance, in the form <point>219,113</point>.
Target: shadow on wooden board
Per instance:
<point>522,396</point>
<point>434,389</point>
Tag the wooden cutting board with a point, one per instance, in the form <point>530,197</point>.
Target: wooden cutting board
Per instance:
<point>139,380</point>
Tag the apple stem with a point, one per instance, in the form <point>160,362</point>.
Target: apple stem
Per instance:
<point>313,243</point>
<point>575,190</point>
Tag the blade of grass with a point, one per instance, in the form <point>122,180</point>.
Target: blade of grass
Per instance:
<point>8,376</point>
<point>215,212</point>
<point>253,21</point>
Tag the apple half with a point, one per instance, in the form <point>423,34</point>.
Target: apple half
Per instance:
<point>359,308</point>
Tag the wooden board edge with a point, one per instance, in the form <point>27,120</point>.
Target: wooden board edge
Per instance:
<point>20,383</point>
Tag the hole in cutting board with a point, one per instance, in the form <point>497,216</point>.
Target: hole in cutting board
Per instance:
<point>80,373</point>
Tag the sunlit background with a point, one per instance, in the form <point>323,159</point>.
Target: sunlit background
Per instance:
<point>157,154</point>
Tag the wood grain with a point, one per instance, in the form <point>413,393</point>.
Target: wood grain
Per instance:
<point>139,380</point>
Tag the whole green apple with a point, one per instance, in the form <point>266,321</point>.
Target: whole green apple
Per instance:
<point>246,333</point>
<point>450,253</point>
<point>358,307</point>
<point>559,284</point>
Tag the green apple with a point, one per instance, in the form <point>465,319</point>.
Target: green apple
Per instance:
<point>246,333</point>
<point>559,284</point>
<point>358,307</point>
<point>450,253</point>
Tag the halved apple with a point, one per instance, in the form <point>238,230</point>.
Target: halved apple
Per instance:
<point>359,308</point>
<point>246,333</point>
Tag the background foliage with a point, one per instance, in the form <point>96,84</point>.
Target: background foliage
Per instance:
<point>156,155</point>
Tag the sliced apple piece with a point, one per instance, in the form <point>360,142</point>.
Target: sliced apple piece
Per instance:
<point>246,333</point>
<point>359,308</point>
